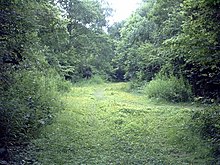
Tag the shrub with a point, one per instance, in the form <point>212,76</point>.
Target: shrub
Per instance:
<point>169,88</point>
<point>96,79</point>
<point>29,103</point>
<point>61,84</point>
<point>135,85</point>
<point>207,123</point>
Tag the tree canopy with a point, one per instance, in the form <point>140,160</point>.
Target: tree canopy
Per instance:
<point>175,37</point>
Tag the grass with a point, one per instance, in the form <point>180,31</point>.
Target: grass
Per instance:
<point>103,124</point>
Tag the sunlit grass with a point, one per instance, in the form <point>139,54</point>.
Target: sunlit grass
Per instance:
<point>104,124</point>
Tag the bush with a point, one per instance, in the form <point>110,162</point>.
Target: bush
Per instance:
<point>135,85</point>
<point>62,85</point>
<point>207,123</point>
<point>169,88</point>
<point>95,79</point>
<point>29,103</point>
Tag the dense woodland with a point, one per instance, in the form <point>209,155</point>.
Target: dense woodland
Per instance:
<point>170,49</point>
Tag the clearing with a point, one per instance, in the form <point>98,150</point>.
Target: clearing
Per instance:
<point>103,124</point>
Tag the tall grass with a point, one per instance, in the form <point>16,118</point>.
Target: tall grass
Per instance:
<point>169,88</point>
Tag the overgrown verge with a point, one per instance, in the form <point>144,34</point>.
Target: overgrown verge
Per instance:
<point>28,103</point>
<point>207,123</point>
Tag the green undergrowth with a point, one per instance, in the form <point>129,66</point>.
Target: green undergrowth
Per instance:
<point>94,80</point>
<point>103,124</point>
<point>169,88</point>
<point>28,103</point>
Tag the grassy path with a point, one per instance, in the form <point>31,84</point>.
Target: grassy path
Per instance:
<point>105,125</point>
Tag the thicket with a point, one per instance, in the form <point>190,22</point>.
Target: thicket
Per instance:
<point>207,124</point>
<point>30,102</point>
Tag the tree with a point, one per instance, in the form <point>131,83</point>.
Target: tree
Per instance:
<point>136,49</point>
<point>90,47</point>
<point>196,49</point>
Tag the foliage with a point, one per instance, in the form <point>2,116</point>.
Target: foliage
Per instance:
<point>135,85</point>
<point>28,104</point>
<point>182,34</point>
<point>207,123</point>
<point>66,38</point>
<point>88,49</point>
<point>195,52</point>
<point>139,48</point>
<point>96,79</point>
<point>63,86</point>
<point>114,30</point>
<point>46,36</point>
<point>169,88</point>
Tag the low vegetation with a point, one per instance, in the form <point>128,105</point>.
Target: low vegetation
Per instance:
<point>29,103</point>
<point>169,88</point>
<point>206,123</point>
<point>104,124</point>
